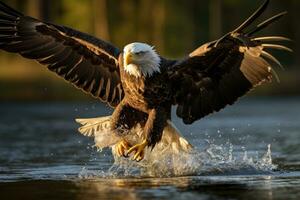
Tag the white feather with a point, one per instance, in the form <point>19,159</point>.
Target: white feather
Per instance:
<point>133,70</point>
<point>137,47</point>
<point>99,128</point>
<point>145,64</point>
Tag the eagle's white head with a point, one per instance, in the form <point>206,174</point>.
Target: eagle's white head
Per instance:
<point>141,60</point>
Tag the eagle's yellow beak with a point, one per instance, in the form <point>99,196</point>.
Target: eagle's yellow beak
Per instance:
<point>129,58</point>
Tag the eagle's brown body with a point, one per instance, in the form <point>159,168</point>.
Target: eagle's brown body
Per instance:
<point>147,101</point>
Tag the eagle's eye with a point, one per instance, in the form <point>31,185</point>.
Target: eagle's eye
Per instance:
<point>140,53</point>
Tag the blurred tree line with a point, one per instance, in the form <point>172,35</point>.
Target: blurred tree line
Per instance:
<point>174,27</point>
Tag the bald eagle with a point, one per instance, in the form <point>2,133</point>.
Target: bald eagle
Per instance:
<point>141,85</point>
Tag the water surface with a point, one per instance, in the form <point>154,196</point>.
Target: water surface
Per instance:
<point>43,157</point>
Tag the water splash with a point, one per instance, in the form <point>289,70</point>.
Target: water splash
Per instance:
<point>173,155</point>
<point>213,160</point>
<point>224,160</point>
<point>266,160</point>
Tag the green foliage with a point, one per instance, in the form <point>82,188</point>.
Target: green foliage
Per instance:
<point>77,14</point>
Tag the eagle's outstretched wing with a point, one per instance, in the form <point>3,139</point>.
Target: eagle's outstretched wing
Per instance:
<point>218,73</point>
<point>87,62</point>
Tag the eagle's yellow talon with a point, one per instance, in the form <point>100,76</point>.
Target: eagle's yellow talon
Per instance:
<point>122,147</point>
<point>139,151</point>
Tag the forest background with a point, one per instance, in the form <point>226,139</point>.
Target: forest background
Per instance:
<point>175,28</point>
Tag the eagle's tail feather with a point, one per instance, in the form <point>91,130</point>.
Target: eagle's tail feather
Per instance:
<point>172,136</point>
<point>93,125</point>
<point>99,128</point>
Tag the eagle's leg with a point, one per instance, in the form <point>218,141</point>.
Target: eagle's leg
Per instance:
<point>122,147</point>
<point>118,121</point>
<point>123,119</point>
<point>139,150</point>
<point>157,119</point>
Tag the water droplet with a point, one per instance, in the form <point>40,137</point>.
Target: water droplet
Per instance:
<point>230,153</point>
<point>245,157</point>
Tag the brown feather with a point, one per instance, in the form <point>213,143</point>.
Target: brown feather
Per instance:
<point>87,62</point>
<point>218,73</point>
